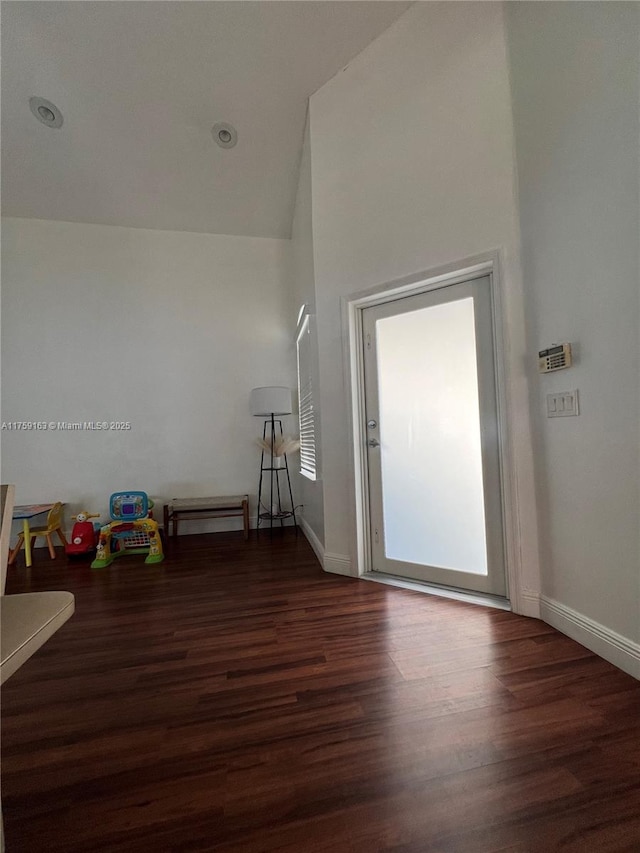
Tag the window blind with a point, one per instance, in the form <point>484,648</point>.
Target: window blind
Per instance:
<point>306,406</point>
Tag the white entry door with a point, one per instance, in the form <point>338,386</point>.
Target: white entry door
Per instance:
<point>432,438</point>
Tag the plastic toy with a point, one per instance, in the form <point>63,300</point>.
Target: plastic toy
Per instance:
<point>84,536</point>
<point>131,530</point>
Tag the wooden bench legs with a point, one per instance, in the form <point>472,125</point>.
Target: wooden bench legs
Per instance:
<point>193,509</point>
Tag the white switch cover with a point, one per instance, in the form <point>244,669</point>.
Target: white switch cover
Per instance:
<point>563,404</point>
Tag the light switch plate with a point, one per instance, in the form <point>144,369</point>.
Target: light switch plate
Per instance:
<point>563,404</point>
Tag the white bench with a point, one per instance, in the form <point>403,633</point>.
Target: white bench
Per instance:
<point>190,509</point>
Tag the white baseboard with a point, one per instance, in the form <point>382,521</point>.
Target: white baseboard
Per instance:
<point>316,544</point>
<point>528,604</point>
<point>211,525</point>
<point>337,564</point>
<point>224,525</point>
<point>618,650</point>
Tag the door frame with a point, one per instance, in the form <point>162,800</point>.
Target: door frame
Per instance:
<point>487,264</point>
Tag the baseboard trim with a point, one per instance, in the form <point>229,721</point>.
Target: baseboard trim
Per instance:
<point>194,527</point>
<point>316,544</point>
<point>618,650</point>
<point>528,604</point>
<point>337,564</point>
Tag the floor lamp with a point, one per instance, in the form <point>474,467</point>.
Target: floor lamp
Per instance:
<point>268,403</point>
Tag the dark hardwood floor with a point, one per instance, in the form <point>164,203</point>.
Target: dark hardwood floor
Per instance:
<point>235,698</point>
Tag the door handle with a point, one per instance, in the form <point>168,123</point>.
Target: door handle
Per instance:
<point>373,442</point>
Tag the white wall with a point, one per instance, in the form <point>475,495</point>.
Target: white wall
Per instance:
<point>575,80</point>
<point>412,168</point>
<point>302,282</point>
<point>167,330</point>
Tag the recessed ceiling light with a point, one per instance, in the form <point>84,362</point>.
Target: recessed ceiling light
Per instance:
<point>224,135</point>
<point>46,112</point>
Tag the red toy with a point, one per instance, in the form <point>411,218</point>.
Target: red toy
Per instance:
<point>84,537</point>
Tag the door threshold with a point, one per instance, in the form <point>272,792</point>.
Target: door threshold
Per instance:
<point>481,598</point>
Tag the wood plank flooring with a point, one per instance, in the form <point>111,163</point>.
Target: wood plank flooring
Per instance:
<point>235,698</point>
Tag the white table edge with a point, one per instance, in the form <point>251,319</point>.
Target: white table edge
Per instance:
<point>28,621</point>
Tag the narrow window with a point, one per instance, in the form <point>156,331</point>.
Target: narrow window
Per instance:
<point>306,400</point>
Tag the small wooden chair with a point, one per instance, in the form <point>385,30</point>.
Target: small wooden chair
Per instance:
<point>54,525</point>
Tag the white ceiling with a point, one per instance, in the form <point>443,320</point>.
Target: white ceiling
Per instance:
<point>141,83</point>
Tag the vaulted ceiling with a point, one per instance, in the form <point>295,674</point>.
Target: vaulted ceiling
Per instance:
<point>140,85</point>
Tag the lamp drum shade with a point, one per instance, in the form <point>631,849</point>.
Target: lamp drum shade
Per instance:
<point>270,400</point>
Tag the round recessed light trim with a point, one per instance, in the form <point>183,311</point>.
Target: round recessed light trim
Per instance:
<point>46,112</point>
<point>224,135</point>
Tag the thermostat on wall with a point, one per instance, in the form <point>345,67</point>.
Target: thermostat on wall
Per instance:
<point>556,357</point>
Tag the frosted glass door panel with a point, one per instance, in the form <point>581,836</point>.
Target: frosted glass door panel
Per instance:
<point>430,441</point>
